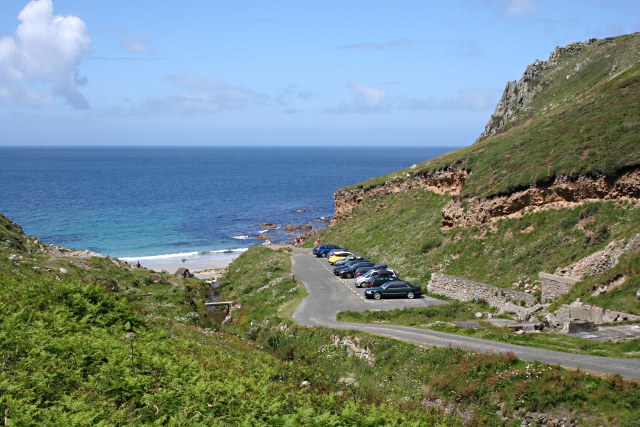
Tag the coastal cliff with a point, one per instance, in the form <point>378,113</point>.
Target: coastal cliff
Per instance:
<point>518,95</point>
<point>447,181</point>
<point>566,132</point>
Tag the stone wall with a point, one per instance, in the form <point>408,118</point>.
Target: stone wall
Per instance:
<point>598,315</point>
<point>554,286</point>
<point>467,290</point>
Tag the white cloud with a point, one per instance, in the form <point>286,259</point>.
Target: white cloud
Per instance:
<point>366,99</point>
<point>394,44</point>
<point>137,43</point>
<point>203,95</point>
<point>469,99</point>
<point>474,99</point>
<point>519,7</point>
<point>45,51</point>
<point>293,93</point>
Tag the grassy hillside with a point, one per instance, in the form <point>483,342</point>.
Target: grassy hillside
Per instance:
<point>584,120</point>
<point>403,230</point>
<point>86,341</point>
<point>99,344</point>
<point>480,389</point>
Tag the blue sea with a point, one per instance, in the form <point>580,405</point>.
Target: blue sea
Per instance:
<point>164,202</point>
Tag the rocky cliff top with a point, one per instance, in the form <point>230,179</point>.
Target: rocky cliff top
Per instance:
<point>517,95</point>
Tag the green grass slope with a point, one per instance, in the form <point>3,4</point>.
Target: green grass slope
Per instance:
<point>478,389</point>
<point>584,120</point>
<point>404,231</point>
<point>100,344</point>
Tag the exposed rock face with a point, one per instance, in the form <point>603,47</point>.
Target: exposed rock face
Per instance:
<point>444,181</point>
<point>517,95</point>
<point>563,189</point>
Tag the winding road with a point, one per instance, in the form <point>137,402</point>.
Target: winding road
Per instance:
<point>329,295</point>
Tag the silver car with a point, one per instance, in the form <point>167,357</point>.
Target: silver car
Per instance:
<point>360,281</point>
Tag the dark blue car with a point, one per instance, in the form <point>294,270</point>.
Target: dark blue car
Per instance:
<point>323,249</point>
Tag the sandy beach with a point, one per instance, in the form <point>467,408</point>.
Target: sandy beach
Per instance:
<point>204,266</point>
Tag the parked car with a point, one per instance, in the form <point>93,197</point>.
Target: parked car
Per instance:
<point>360,281</point>
<point>362,270</point>
<point>342,264</point>
<point>332,251</point>
<point>394,289</point>
<point>352,257</point>
<point>350,271</point>
<point>323,249</point>
<point>337,256</point>
<point>378,281</point>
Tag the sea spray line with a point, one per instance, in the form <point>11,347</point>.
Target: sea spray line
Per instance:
<point>183,255</point>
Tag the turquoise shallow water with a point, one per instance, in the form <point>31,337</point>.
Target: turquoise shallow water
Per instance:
<point>140,202</point>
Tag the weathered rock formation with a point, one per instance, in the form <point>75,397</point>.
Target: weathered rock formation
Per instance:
<point>449,180</point>
<point>580,311</point>
<point>476,211</point>
<point>517,95</point>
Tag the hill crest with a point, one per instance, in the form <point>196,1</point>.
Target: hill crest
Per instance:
<point>567,131</point>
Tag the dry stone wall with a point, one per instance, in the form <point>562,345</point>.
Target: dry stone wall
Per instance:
<point>554,286</point>
<point>468,290</point>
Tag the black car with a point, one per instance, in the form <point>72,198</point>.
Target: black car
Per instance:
<point>323,249</point>
<point>394,289</point>
<point>350,271</point>
<point>338,268</point>
<point>350,258</point>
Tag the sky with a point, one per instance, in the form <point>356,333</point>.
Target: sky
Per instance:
<point>279,72</point>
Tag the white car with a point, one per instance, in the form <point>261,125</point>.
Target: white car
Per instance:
<point>371,273</point>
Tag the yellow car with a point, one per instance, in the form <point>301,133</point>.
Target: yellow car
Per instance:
<point>338,256</point>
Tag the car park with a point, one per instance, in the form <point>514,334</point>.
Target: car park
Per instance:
<point>335,256</point>
<point>394,289</point>
<point>322,250</point>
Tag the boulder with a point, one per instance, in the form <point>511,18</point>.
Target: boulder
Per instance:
<point>183,272</point>
<point>268,225</point>
<point>551,320</point>
<point>576,326</point>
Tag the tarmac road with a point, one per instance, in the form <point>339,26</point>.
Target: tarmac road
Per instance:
<point>329,295</point>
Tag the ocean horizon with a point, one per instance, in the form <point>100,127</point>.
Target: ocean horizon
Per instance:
<point>146,203</point>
